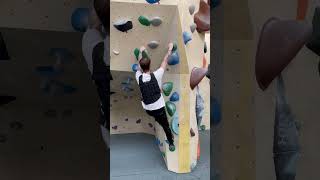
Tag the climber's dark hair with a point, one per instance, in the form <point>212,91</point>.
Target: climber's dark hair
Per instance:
<point>102,8</point>
<point>145,64</point>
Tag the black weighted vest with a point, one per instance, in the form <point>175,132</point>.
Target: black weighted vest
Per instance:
<point>150,91</point>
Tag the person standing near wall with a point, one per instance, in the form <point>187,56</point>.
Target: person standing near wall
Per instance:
<point>152,99</point>
<point>95,46</point>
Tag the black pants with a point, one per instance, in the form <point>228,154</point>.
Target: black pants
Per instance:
<point>161,117</point>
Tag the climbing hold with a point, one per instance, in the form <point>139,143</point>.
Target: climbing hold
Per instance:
<point>197,74</point>
<point>175,47</point>
<point>115,127</point>
<point>173,59</point>
<point>167,88</point>
<point>186,37</point>
<point>123,25</point>
<point>175,124</point>
<point>135,67</point>
<point>205,47</point>
<point>157,142</point>
<point>153,1</point>
<point>203,127</point>
<point>192,134</point>
<point>199,107</point>
<point>136,53</point>
<point>172,148</point>
<point>191,9</point>
<point>163,154</point>
<point>79,19</point>
<point>6,99</point>
<point>314,43</point>
<point>138,121</point>
<point>16,125</point>
<point>174,97</point>
<point>144,21</point>
<point>153,44</point>
<point>215,112</point>
<point>274,52</point>
<point>150,125</point>
<point>171,108</point>
<point>116,52</point>
<point>193,27</point>
<point>202,17</point>
<point>156,21</point>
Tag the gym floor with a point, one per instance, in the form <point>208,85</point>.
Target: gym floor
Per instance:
<point>137,157</point>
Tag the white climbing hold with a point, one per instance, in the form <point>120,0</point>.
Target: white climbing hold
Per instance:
<point>116,52</point>
<point>192,9</point>
<point>193,27</point>
<point>156,21</point>
<point>153,44</point>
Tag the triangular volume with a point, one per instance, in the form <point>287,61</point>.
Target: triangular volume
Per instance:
<point>314,44</point>
<point>3,49</point>
<point>280,41</point>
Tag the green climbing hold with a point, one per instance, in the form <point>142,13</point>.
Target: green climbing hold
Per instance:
<point>144,21</point>
<point>171,108</point>
<point>163,154</point>
<point>172,148</point>
<point>203,127</point>
<point>175,47</point>
<point>167,88</point>
<point>136,53</point>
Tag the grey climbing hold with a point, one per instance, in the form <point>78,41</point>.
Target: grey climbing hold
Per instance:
<point>192,8</point>
<point>193,27</point>
<point>156,21</point>
<point>153,44</point>
<point>116,52</point>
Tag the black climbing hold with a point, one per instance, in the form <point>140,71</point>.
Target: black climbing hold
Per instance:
<point>115,127</point>
<point>126,119</point>
<point>42,147</point>
<point>205,47</point>
<point>138,121</point>
<point>237,146</point>
<point>115,100</point>
<point>150,125</point>
<point>16,125</point>
<point>6,99</point>
<point>3,138</point>
<point>192,133</point>
<point>123,25</point>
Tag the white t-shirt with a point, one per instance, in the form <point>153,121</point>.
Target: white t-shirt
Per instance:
<point>147,77</point>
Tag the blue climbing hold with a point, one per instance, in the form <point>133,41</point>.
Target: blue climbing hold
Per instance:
<point>157,142</point>
<point>153,1</point>
<point>174,58</point>
<point>175,124</point>
<point>174,97</point>
<point>79,19</point>
<point>215,3</point>
<point>186,37</point>
<point>215,112</point>
<point>135,67</point>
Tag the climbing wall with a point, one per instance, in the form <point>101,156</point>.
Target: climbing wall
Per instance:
<point>127,115</point>
<point>301,79</point>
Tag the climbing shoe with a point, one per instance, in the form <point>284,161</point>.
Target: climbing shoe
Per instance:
<point>172,147</point>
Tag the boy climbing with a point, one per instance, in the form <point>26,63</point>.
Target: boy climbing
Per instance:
<point>152,99</point>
